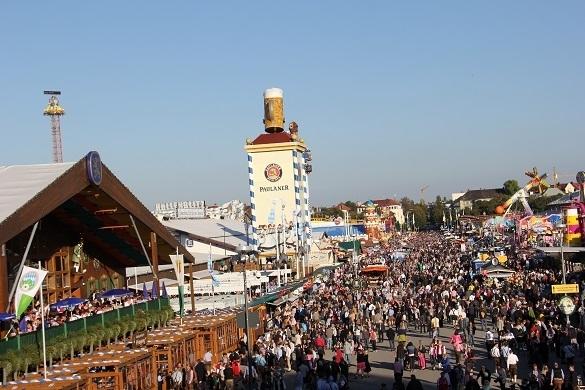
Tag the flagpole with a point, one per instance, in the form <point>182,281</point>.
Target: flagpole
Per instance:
<point>135,277</point>
<point>181,298</point>
<point>210,266</point>
<point>43,330</point>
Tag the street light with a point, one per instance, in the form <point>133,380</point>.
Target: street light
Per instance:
<point>246,253</point>
<point>562,227</point>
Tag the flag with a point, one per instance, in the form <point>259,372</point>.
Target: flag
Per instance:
<point>165,295</point>
<point>144,291</point>
<point>210,261</point>
<point>29,283</point>
<point>179,267</point>
<point>154,290</point>
<point>214,279</point>
<point>22,326</point>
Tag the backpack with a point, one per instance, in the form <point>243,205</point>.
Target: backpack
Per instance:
<point>443,384</point>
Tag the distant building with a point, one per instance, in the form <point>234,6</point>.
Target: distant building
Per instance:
<point>467,200</point>
<point>385,207</point>
<point>343,207</point>
<point>180,210</point>
<point>569,188</point>
<point>456,195</point>
<point>199,210</point>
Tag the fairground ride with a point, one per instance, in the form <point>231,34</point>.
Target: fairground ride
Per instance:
<point>536,183</point>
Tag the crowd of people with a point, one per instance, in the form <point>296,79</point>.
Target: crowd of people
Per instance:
<point>58,315</point>
<point>430,311</point>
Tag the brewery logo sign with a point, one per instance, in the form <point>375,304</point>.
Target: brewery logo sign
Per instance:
<point>273,172</point>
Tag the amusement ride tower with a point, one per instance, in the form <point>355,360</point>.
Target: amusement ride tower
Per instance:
<point>55,111</point>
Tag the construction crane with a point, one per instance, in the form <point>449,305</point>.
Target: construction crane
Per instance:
<point>422,191</point>
<point>55,111</point>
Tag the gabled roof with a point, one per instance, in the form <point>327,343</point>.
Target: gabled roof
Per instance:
<point>473,195</point>
<point>272,138</point>
<point>565,199</point>
<point>221,233</point>
<point>386,202</point>
<point>71,208</point>
<point>343,206</point>
<point>20,183</point>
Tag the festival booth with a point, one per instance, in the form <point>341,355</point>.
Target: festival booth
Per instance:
<point>497,272</point>
<point>205,331</point>
<point>73,382</point>
<point>375,273</point>
<point>113,368</point>
<point>171,346</point>
<point>539,230</point>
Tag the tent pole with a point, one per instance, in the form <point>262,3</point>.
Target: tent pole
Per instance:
<point>24,256</point>
<point>143,247</point>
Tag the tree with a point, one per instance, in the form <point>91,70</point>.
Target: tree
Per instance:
<point>540,203</point>
<point>351,205</point>
<point>511,187</point>
<point>438,211</point>
<point>420,215</point>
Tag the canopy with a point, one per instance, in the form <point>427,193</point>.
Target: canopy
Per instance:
<point>68,303</point>
<point>6,316</point>
<point>350,245</point>
<point>375,268</point>
<point>116,293</point>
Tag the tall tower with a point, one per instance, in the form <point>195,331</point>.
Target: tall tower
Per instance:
<point>55,111</point>
<point>278,165</point>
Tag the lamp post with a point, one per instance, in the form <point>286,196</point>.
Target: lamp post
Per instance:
<point>562,227</point>
<point>246,253</point>
<point>567,310</point>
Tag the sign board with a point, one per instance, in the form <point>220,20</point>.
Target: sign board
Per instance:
<point>253,320</point>
<point>139,339</point>
<point>565,288</point>
<point>567,305</point>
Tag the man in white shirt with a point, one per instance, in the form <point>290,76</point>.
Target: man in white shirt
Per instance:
<point>513,366</point>
<point>495,354</point>
<point>207,361</point>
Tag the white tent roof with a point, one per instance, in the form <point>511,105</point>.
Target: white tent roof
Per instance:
<point>21,183</point>
<point>234,232</point>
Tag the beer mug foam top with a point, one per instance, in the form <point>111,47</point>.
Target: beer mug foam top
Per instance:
<point>273,93</point>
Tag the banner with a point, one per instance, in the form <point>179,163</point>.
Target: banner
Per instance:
<point>29,283</point>
<point>215,281</point>
<point>179,267</point>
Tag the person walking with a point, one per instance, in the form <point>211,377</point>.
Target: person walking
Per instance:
<point>557,377</point>
<point>512,364</point>
<point>391,334</point>
<point>347,351</point>
<point>398,373</point>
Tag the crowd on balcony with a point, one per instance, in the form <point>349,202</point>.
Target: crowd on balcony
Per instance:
<point>56,315</point>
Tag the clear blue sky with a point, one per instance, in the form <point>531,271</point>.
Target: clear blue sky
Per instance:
<point>390,96</point>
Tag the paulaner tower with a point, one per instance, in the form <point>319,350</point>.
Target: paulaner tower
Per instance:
<point>278,166</point>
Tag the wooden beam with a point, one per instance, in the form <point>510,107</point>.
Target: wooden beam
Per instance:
<point>191,288</point>
<point>112,186</point>
<point>154,259</point>
<point>3,276</point>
